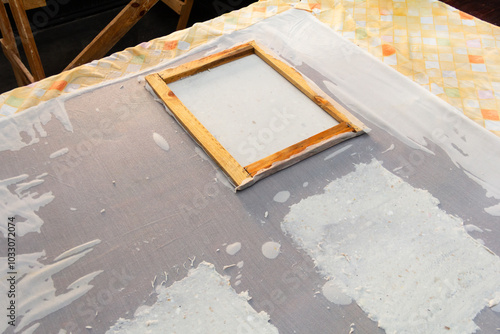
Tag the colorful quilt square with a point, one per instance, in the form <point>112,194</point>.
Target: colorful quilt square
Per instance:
<point>182,45</point>
<point>138,59</point>
<point>7,110</point>
<point>58,85</point>
<point>476,59</point>
<point>478,67</point>
<point>14,101</point>
<point>492,125</point>
<point>443,42</point>
<point>473,43</point>
<point>465,16</point>
<point>452,92</point>
<point>485,94</point>
<point>133,68</point>
<point>426,20</point>
<point>170,45</point>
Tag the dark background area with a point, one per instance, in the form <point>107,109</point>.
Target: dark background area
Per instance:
<point>485,10</point>
<point>65,27</point>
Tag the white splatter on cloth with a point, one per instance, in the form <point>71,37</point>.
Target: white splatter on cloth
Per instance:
<point>203,302</point>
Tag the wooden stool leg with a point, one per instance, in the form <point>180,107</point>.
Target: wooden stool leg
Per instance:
<point>22,74</point>
<point>181,7</point>
<point>8,43</point>
<point>23,26</point>
<point>113,32</point>
<point>184,14</point>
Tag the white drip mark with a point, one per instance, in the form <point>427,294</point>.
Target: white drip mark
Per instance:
<point>58,153</point>
<point>161,142</point>
<point>271,249</point>
<point>337,152</point>
<point>233,248</point>
<point>389,149</point>
<point>282,196</point>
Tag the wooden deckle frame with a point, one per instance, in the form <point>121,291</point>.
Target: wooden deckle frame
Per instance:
<point>243,176</point>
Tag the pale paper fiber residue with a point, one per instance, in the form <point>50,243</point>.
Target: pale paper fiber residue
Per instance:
<point>407,263</point>
<point>203,302</point>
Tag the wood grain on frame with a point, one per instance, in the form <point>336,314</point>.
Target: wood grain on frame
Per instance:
<point>203,64</point>
<point>296,79</point>
<point>211,145</point>
<point>297,148</point>
<point>237,173</point>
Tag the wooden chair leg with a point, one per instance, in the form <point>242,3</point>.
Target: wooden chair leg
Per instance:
<point>181,7</point>
<point>184,14</point>
<point>24,29</point>
<point>113,32</point>
<point>32,4</point>
<point>6,28</point>
<point>8,42</point>
<point>98,48</point>
<point>22,74</point>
